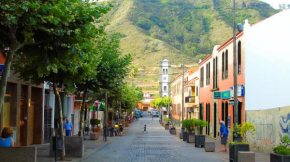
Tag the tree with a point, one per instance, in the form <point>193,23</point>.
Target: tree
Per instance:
<point>64,32</point>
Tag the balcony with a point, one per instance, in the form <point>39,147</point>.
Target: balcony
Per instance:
<point>190,99</point>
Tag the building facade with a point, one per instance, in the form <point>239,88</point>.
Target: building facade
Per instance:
<point>164,79</point>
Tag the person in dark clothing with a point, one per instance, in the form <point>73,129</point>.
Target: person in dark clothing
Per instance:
<point>145,129</point>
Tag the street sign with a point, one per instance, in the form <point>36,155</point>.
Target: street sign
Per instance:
<point>226,94</point>
<point>217,95</point>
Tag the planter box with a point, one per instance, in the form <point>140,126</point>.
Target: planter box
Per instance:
<point>234,149</point>
<point>209,146</point>
<point>185,134</point>
<point>166,126</point>
<point>173,131</point>
<point>74,147</point>
<point>246,156</point>
<point>94,136</point>
<point>199,140</point>
<point>190,138</point>
<point>180,135</point>
<point>23,154</point>
<point>279,158</point>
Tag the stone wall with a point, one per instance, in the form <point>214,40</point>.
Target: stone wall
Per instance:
<point>271,125</point>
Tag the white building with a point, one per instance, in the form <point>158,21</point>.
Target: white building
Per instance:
<point>267,62</point>
<point>164,78</point>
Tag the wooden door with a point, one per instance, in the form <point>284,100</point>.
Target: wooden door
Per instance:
<point>31,124</point>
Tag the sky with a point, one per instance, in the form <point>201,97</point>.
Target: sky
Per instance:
<point>275,3</point>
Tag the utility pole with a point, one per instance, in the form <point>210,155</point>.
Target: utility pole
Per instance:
<point>235,65</point>
<point>182,106</point>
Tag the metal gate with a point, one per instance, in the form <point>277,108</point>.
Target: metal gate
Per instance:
<point>47,124</point>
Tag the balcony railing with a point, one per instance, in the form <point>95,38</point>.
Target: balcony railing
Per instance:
<point>190,99</point>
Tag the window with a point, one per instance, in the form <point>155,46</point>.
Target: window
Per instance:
<point>216,74</point>
<point>213,70</point>
<point>201,76</point>
<point>165,88</point>
<point>239,57</point>
<point>166,70</point>
<point>208,73</point>
<point>226,65</point>
<point>164,78</point>
<point>196,91</point>
<point>223,66</point>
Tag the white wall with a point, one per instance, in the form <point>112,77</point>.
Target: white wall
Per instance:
<point>267,63</point>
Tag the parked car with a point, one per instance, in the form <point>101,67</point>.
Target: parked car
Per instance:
<point>150,109</point>
<point>155,113</point>
<point>140,113</point>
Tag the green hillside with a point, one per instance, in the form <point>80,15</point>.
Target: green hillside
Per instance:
<point>181,31</point>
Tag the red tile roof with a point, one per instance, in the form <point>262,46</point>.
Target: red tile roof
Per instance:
<point>238,35</point>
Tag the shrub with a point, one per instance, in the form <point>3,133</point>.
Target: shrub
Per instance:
<point>94,121</point>
<point>283,149</point>
<point>242,131</point>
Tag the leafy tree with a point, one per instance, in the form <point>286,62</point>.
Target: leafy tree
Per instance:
<point>112,69</point>
<point>64,32</point>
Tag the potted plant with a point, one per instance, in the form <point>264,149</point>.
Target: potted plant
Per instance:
<point>191,133</point>
<point>240,145</point>
<point>188,124</point>
<point>236,132</point>
<point>200,138</point>
<point>172,129</point>
<point>281,152</point>
<point>185,124</point>
<point>167,123</point>
<point>95,124</point>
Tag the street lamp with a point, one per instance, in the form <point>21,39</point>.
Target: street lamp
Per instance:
<point>235,65</point>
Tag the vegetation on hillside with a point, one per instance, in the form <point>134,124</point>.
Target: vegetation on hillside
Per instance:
<point>191,25</point>
<point>182,31</point>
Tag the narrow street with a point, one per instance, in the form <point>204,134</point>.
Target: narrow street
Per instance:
<point>157,145</point>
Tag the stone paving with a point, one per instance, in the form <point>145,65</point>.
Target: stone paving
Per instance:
<point>155,146</point>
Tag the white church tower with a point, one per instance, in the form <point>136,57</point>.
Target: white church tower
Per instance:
<point>164,78</point>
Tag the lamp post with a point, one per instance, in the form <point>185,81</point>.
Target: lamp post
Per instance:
<point>235,65</point>
<point>182,103</point>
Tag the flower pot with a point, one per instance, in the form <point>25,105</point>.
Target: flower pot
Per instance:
<point>94,136</point>
<point>173,131</point>
<point>166,126</point>
<point>209,146</point>
<point>279,158</point>
<point>184,136</point>
<point>234,150</point>
<point>95,130</point>
<point>199,140</point>
<point>180,135</point>
<point>190,138</point>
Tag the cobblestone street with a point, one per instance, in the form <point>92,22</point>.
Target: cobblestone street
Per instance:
<point>157,145</point>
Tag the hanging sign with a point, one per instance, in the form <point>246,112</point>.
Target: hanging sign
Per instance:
<point>217,95</point>
<point>226,94</point>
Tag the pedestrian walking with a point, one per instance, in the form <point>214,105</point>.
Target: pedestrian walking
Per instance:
<point>6,139</point>
<point>144,129</point>
<point>224,136</point>
<point>68,127</point>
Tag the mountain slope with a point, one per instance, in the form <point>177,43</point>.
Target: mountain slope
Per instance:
<point>178,30</point>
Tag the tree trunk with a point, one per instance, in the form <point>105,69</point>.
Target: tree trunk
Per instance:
<point>3,83</point>
<point>56,92</point>
<point>82,113</point>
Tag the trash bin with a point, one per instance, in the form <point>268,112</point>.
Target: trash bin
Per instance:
<point>58,145</point>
